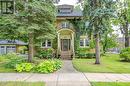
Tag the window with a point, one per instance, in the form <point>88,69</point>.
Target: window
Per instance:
<point>65,25</point>
<point>84,42</point>
<point>11,49</point>
<point>2,50</point>
<point>81,42</point>
<point>6,7</point>
<point>47,44</point>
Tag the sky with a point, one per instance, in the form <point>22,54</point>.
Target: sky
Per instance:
<point>70,2</point>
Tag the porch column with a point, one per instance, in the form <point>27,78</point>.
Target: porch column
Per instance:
<point>58,41</point>
<point>73,45</point>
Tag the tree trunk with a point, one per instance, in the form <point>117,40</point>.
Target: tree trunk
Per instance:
<point>97,48</point>
<point>126,35</point>
<point>31,52</point>
<point>126,40</point>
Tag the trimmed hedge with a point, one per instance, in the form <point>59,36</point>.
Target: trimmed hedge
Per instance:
<point>86,55</point>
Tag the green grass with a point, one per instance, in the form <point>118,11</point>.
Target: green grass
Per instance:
<point>110,63</point>
<point>110,84</point>
<point>22,84</point>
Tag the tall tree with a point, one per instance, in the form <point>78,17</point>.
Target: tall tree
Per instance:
<point>36,19</point>
<point>124,19</point>
<point>97,12</point>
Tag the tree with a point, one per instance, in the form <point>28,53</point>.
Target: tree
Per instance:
<point>124,19</point>
<point>109,40</point>
<point>8,28</point>
<point>98,13</point>
<point>36,19</point>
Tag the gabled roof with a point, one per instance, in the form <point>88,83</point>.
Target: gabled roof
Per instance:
<point>14,42</point>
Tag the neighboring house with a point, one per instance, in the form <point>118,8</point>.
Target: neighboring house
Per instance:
<point>7,46</point>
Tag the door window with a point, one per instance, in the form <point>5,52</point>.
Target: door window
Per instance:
<point>65,44</point>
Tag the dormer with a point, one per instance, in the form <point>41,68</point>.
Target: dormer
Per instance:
<point>65,9</point>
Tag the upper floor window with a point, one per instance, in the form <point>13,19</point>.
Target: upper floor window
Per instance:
<point>46,44</point>
<point>84,42</point>
<point>65,25</point>
<point>6,7</point>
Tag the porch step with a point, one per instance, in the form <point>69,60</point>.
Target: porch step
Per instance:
<point>66,55</point>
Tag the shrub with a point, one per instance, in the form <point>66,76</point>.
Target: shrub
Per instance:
<point>24,67</point>
<point>47,54</point>
<point>57,64</point>
<point>84,53</point>
<point>14,61</point>
<point>125,54</point>
<point>48,66</point>
<point>11,56</point>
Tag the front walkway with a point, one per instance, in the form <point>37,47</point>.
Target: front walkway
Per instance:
<point>67,67</point>
<point>66,79</point>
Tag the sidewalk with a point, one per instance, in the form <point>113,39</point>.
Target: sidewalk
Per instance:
<point>66,79</point>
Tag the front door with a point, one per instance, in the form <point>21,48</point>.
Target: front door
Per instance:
<point>65,44</point>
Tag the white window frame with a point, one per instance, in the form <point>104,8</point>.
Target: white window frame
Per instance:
<point>65,24</point>
<point>46,44</point>
<point>84,42</point>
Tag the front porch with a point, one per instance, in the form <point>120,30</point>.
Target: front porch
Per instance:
<point>65,43</point>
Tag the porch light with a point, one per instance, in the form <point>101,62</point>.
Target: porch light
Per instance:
<point>7,6</point>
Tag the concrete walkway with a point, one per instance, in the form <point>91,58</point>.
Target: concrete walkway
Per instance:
<point>67,67</point>
<point>66,79</point>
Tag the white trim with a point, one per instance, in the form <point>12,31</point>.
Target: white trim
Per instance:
<point>65,30</point>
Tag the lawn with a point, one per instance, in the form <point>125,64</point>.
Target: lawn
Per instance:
<point>110,63</point>
<point>22,84</point>
<point>110,84</point>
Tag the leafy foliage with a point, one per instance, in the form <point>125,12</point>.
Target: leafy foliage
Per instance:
<point>46,53</point>
<point>98,14</point>
<point>109,40</point>
<point>48,66</point>
<point>24,67</point>
<point>125,54</point>
<point>123,20</point>
<point>85,53</point>
<point>13,60</point>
